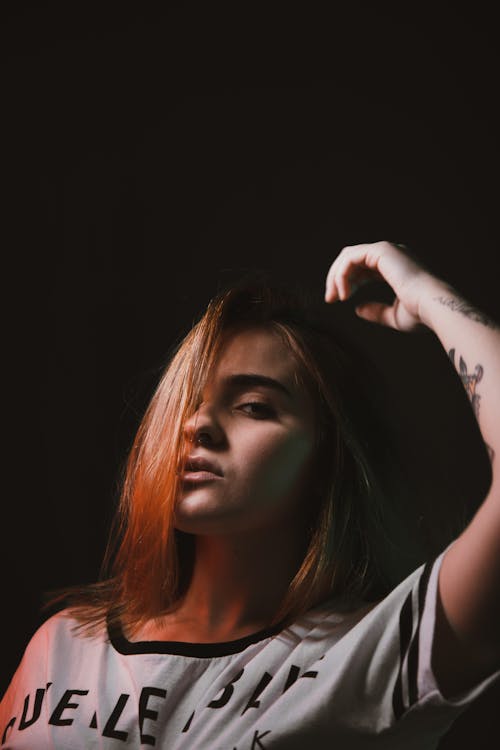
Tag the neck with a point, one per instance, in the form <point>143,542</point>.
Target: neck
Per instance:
<point>238,582</point>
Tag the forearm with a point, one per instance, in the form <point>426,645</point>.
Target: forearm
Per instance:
<point>472,341</point>
<point>468,616</point>
<point>466,641</point>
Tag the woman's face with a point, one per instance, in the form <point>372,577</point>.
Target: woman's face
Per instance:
<point>250,444</point>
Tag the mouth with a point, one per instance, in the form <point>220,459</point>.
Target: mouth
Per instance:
<point>199,469</point>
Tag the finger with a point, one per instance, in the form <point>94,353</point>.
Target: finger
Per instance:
<point>352,271</point>
<point>337,286</point>
<point>332,290</point>
<point>331,293</point>
<point>353,261</point>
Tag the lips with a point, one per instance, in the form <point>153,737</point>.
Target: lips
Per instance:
<point>198,468</point>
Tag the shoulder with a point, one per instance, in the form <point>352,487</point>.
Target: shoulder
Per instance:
<point>58,634</point>
<point>54,644</point>
<point>59,623</point>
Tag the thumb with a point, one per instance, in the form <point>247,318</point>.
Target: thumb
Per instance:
<point>377,312</point>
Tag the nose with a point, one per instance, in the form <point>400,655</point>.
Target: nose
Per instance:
<point>202,428</point>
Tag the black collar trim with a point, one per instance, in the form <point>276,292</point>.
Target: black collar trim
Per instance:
<point>200,650</point>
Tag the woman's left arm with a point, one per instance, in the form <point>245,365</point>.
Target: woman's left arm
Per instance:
<point>467,639</point>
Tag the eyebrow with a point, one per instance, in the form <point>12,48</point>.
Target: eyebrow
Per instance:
<point>253,379</point>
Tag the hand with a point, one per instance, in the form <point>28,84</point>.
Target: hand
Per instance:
<point>374,262</point>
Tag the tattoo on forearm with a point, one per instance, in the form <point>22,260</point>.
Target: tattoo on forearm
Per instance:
<point>470,381</point>
<point>466,309</point>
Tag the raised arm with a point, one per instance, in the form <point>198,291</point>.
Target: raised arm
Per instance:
<point>467,639</point>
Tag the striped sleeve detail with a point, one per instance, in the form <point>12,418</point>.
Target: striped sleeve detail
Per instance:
<point>403,698</point>
<point>405,626</point>
<point>413,653</point>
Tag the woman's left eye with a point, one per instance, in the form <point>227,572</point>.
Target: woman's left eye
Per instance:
<point>257,409</point>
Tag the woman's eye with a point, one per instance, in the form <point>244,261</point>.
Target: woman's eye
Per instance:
<point>257,409</point>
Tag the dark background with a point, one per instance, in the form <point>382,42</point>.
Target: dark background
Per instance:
<point>151,155</point>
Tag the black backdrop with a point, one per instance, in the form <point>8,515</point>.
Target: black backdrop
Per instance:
<point>150,155</point>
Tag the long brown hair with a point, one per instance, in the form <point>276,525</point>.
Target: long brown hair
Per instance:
<point>147,563</point>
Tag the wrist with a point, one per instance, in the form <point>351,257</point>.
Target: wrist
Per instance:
<point>432,290</point>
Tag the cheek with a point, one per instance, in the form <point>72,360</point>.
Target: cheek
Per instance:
<point>280,467</point>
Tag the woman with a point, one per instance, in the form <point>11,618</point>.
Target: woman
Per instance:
<point>240,611</point>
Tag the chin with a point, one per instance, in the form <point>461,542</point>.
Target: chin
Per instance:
<point>194,516</point>
<point>203,526</point>
<point>205,521</point>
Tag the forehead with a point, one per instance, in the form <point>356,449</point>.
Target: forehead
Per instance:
<point>258,351</point>
<point>262,352</point>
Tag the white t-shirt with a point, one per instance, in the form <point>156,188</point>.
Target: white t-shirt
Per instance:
<point>333,679</point>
